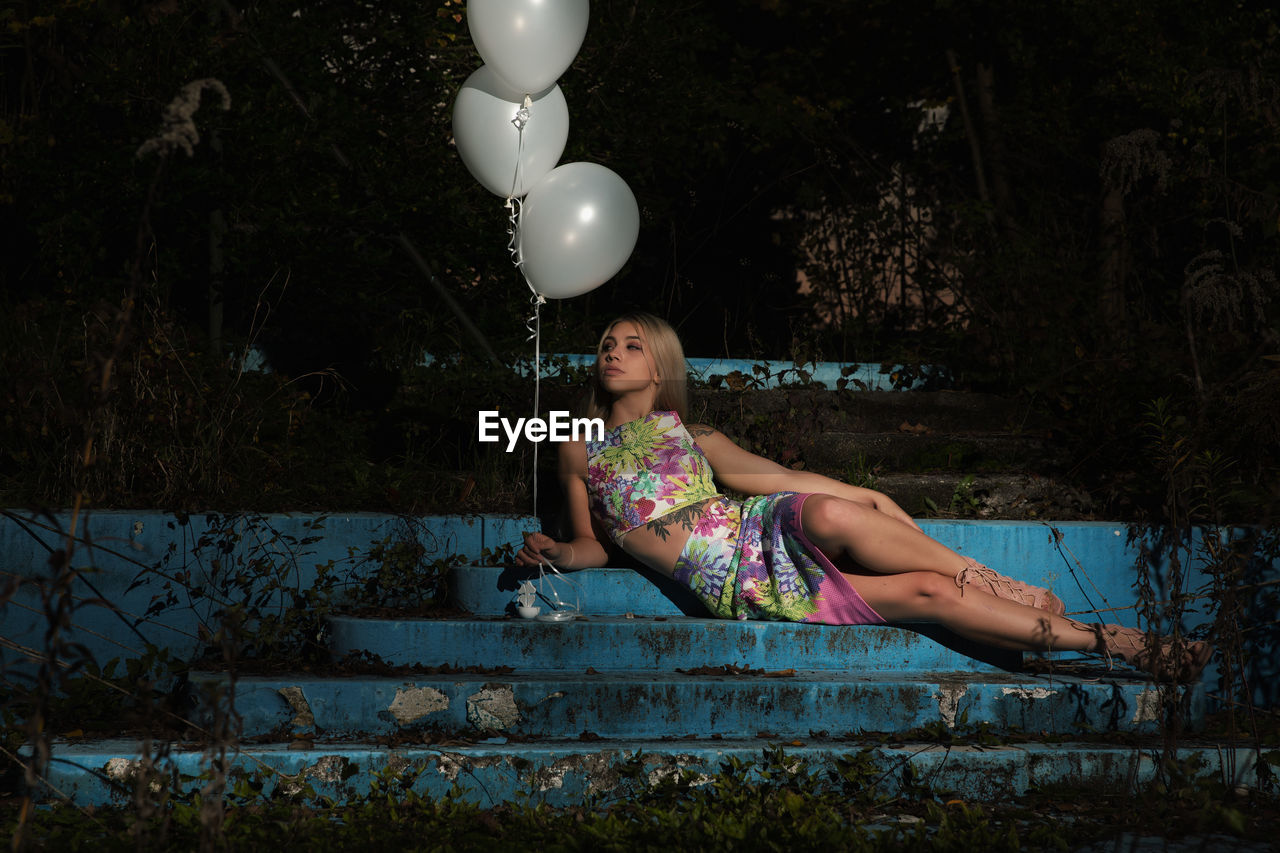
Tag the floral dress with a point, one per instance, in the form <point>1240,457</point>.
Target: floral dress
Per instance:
<point>744,559</point>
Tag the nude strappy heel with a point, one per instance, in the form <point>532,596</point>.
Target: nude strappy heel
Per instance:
<point>1162,657</point>
<point>988,580</point>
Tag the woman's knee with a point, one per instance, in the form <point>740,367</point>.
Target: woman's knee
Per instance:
<point>930,592</point>
<point>826,517</point>
<point>935,586</point>
<point>926,596</point>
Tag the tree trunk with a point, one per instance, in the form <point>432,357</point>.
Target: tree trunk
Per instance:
<point>1115,266</point>
<point>996,158</point>
<point>975,147</point>
<point>217,228</point>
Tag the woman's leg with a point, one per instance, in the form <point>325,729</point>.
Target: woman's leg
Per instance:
<point>874,540</point>
<point>986,619</point>
<point>977,615</point>
<point>886,545</point>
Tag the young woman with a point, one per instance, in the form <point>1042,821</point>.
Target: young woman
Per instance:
<point>804,548</point>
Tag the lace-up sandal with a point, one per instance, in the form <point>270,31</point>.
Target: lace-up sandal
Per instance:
<point>977,575</point>
<point>1160,656</point>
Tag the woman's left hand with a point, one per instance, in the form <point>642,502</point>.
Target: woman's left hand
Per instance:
<point>886,504</point>
<point>537,550</point>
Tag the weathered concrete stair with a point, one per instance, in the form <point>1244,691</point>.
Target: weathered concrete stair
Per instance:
<point>513,709</point>
<point>509,707</point>
<point>635,664</point>
<point>698,705</point>
<point>564,773</point>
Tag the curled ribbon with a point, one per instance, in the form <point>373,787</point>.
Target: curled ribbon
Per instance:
<point>534,324</point>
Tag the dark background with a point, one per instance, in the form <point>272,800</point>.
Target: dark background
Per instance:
<point>1101,232</point>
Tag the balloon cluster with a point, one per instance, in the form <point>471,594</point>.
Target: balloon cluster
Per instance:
<point>578,222</point>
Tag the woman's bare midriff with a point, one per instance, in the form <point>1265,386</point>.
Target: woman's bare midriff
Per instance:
<point>648,546</point>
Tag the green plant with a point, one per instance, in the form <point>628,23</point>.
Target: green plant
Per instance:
<point>859,471</point>
<point>964,500</point>
<point>403,577</point>
<point>773,802</point>
<point>252,584</point>
<point>1184,795</point>
<point>238,572</point>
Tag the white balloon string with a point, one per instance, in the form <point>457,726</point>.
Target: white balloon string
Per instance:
<point>534,324</point>
<point>555,600</point>
<point>514,205</point>
<point>513,233</point>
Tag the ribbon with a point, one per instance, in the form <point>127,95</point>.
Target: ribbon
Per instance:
<point>534,324</point>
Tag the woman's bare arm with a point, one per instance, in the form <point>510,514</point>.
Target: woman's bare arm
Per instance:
<point>585,549</point>
<point>750,474</point>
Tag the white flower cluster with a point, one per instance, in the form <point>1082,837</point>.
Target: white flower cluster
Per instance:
<point>179,130</point>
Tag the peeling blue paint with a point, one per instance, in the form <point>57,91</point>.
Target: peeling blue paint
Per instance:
<point>642,705</point>
<point>614,673</point>
<point>560,774</point>
<point>619,644</point>
<point>763,373</point>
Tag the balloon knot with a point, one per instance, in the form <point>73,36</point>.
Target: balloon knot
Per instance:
<point>522,114</point>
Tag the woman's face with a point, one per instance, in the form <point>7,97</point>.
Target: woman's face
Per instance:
<point>624,362</point>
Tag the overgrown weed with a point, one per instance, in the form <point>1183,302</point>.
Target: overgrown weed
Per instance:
<point>777,802</point>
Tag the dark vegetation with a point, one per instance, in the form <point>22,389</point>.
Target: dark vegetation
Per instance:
<point>1094,232</point>
<point>774,803</point>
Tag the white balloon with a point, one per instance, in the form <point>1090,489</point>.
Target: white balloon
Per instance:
<point>529,43</point>
<point>578,226</point>
<point>490,145</point>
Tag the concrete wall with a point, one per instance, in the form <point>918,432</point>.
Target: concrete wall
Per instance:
<point>130,560</point>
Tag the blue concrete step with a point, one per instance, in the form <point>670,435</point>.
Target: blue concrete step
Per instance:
<point>652,705</point>
<point>762,373</point>
<point>491,591</point>
<point>127,559</point>
<point>540,686</point>
<point>621,644</point>
<point>101,773</point>
<point>1089,565</point>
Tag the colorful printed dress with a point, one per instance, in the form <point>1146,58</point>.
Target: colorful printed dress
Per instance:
<point>745,559</point>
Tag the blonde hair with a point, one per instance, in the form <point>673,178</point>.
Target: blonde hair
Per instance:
<point>666,355</point>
